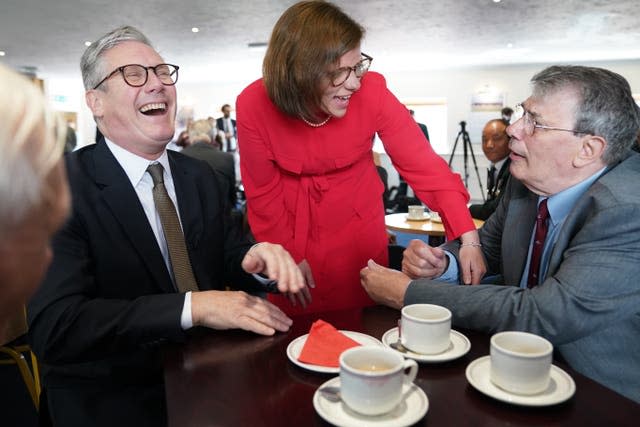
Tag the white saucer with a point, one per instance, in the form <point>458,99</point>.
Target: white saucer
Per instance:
<point>295,348</point>
<point>424,218</point>
<point>413,407</point>
<point>459,346</point>
<point>561,387</point>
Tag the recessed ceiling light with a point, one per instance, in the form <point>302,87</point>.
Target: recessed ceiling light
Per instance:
<point>2,53</point>
<point>87,43</point>
<point>195,29</point>
<point>509,45</point>
<point>496,1</point>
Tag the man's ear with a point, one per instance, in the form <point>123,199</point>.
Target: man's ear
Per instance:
<point>94,102</point>
<point>591,150</point>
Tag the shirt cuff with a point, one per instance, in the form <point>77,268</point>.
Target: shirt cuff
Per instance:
<point>451,273</point>
<point>186,321</point>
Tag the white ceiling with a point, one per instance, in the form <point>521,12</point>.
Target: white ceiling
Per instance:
<point>407,34</point>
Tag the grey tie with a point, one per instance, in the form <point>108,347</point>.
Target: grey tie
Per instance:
<point>178,255</point>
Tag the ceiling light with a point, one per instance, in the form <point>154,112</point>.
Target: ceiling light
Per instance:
<point>195,29</point>
<point>509,45</point>
<point>496,1</point>
<point>87,43</point>
<point>2,53</point>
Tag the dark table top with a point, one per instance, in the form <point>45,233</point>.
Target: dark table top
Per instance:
<point>236,378</point>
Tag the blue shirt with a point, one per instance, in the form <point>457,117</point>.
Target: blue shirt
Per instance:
<point>559,206</point>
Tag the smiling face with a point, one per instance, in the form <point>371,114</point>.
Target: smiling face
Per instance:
<point>139,119</point>
<point>546,161</point>
<point>335,99</point>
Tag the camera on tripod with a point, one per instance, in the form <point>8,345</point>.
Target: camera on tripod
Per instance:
<point>467,148</point>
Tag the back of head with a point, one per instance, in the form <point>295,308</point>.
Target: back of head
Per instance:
<point>308,38</point>
<point>606,107</point>
<point>200,131</point>
<point>91,64</point>
<point>31,143</point>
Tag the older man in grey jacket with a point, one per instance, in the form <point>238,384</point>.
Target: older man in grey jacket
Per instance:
<point>564,242</point>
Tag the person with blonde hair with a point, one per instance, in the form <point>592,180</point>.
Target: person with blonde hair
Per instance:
<point>34,195</point>
<point>305,133</point>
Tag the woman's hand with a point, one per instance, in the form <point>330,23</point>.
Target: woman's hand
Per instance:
<point>471,258</point>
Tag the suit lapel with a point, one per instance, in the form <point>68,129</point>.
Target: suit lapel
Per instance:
<point>518,228</point>
<point>122,200</point>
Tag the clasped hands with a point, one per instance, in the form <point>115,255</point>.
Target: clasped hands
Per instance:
<point>237,309</point>
<point>387,286</point>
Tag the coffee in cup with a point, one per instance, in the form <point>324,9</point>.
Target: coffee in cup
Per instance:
<point>520,362</point>
<point>371,378</point>
<point>425,328</point>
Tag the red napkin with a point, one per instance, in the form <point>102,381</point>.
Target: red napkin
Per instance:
<point>324,345</point>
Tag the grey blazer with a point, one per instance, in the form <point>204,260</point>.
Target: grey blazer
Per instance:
<point>589,303</point>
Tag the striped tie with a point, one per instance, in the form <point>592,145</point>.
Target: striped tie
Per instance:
<point>178,254</point>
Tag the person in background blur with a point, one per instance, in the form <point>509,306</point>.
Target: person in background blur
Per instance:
<point>506,113</point>
<point>34,195</point>
<point>495,145</point>
<point>306,134</point>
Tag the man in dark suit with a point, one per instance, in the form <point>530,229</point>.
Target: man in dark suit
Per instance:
<point>200,147</point>
<point>495,144</point>
<point>227,128</point>
<point>565,238</point>
<point>110,298</point>
<point>422,126</point>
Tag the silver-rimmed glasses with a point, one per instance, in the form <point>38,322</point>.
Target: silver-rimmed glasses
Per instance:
<point>341,74</point>
<point>530,124</point>
<point>136,75</point>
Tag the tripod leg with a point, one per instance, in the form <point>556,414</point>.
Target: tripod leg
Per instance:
<point>453,152</point>
<point>475,165</point>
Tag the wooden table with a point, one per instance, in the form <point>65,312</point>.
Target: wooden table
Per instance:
<point>235,378</point>
<point>399,222</point>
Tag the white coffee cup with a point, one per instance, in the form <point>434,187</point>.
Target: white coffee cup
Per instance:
<point>520,362</point>
<point>371,378</point>
<point>415,212</point>
<point>425,328</point>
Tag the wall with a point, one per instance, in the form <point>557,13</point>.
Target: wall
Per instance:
<point>456,86</point>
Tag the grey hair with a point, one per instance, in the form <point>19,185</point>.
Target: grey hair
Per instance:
<point>606,107</point>
<point>31,144</point>
<point>91,64</point>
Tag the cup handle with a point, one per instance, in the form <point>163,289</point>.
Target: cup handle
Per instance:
<point>410,376</point>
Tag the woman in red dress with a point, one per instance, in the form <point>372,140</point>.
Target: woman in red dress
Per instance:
<point>305,133</point>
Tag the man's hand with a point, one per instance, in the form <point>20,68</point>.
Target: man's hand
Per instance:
<point>304,296</point>
<point>274,261</point>
<point>384,285</point>
<point>230,310</point>
<point>420,260</point>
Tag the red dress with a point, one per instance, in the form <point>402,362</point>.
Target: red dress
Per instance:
<point>316,191</point>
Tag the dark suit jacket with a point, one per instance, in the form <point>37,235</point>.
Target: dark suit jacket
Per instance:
<point>220,125</point>
<point>107,302</point>
<point>222,164</point>
<point>484,210</point>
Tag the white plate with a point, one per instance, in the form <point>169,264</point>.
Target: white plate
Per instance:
<point>412,408</point>
<point>424,218</point>
<point>295,348</point>
<point>459,346</point>
<point>561,387</point>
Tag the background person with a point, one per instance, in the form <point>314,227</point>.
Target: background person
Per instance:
<point>495,145</point>
<point>34,195</point>
<point>570,156</point>
<point>306,132</point>
<point>143,257</point>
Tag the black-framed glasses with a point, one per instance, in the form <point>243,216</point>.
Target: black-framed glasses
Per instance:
<point>530,124</point>
<point>136,75</point>
<point>341,75</point>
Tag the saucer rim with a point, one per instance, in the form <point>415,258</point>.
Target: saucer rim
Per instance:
<point>558,375</point>
<point>335,381</point>
<point>446,356</point>
<point>325,369</point>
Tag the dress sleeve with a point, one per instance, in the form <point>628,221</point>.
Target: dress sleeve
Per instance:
<point>427,173</point>
<point>269,219</point>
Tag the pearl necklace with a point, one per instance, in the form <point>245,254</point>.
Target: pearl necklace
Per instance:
<point>316,125</point>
